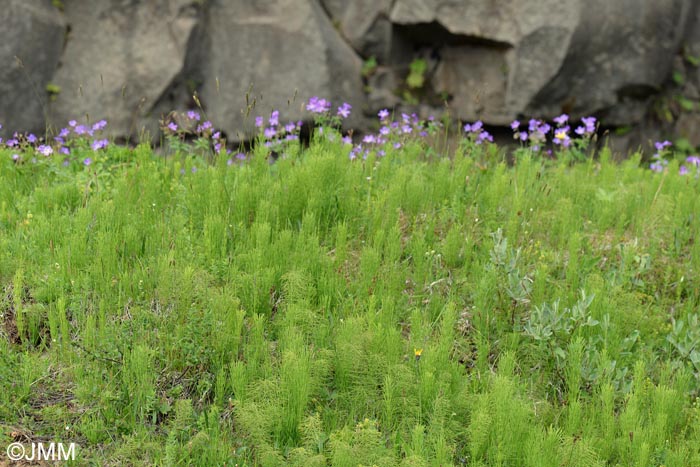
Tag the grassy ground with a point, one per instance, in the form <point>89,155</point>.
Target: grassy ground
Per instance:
<point>408,310</point>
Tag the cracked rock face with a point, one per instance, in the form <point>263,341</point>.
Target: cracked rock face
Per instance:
<point>501,59</point>
<point>31,41</point>
<point>273,54</point>
<point>131,61</point>
<point>121,56</point>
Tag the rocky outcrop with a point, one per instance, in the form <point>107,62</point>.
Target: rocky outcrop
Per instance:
<point>131,61</point>
<point>273,54</point>
<point>620,56</point>
<point>688,121</point>
<point>120,59</point>
<point>31,41</point>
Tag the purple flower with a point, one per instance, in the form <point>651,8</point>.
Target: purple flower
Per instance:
<point>15,157</point>
<point>381,153</point>
<point>290,127</point>
<point>384,131</point>
<point>65,150</point>
<point>259,122</point>
<point>406,129</point>
<point>524,136</point>
<point>515,125</point>
<point>11,143</point>
<point>45,150</point>
<point>59,140</point>
<point>72,123</point>
<point>270,133</point>
<point>193,115</point>
<point>65,132</point>
<point>347,140</point>
<point>31,138</point>
<point>561,136</point>
<point>194,170</point>
<point>87,161</point>
<point>590,123</point>
<point>99,126</point>
<point>80,130</point>
<point>240,156</point>
<point>661,145</point>
<point>561,119</point>
<point>344,110</point>
<point>658,165</point>
<point>683,170</point>
<point>172,126</point>
<point>397,145</point>
<point>369,139</point>
<point>694,160</point>
<point>229,162</point>
<point>216,135</point>
<point>474,127</point>
<point>317,105</point>
<point>406,118</point>
<point>204,127</point>
<point>484,136</point>
<point>275,118</point>
<point>99,144</point>
<point>383,114</point>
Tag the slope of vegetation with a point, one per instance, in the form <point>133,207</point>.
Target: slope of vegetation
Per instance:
<point>402,309</point>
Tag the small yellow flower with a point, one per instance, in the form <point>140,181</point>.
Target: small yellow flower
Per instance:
<point>417,353</point>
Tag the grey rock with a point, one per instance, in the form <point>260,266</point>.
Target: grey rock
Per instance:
<point>688,127</point>
<point>31,42</point>
<point>274,54</point>
<point>621,51</point>
<point>381,88</point>
<point>365,25</point>
<point>476,80</point>
<point>121,57</point>
<point>500,54</point>
<point>335,8</point>
<point>692,44</point>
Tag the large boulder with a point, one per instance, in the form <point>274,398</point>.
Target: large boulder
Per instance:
<point>31,42</point>
<point>365,25</point>
<point>688,122</point>
<point>121,58</point>
<point>273,54</point>
<point>500,59</point>
<point>619,57</point>
<point>500,54</point>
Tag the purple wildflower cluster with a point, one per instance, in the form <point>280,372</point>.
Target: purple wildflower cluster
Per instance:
<point>180,126</point>
<point>392,133</point>
<point>659,158</point>
<point>476,133</point>
<point>276,135</point>
<point>538,131</point>
<point>73,136</point>
<point>660,162</point>
<point>691,163</point>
